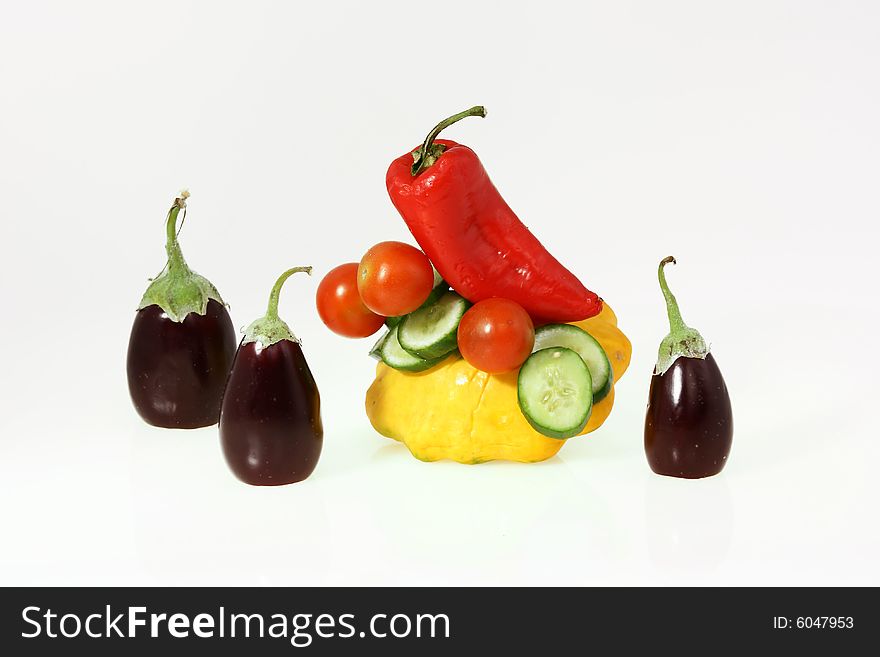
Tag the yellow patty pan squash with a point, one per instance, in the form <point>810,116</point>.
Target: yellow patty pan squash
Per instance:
<point>454,411</point>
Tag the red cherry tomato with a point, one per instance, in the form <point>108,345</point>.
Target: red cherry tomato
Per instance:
<point>496,335</point>
<point>340,305</point>
<point>394,278</point>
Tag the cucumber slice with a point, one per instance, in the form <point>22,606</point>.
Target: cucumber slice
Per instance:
<point>431,331</point>
<point>438,279</point>
<point>376,351</point>
<point>586,346</point>
<point>554,390</point>
<point>393,355</point>
<point>440,288</point>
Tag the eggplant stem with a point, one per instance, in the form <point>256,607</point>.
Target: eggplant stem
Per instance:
<point>176,263</point>
<point>682,339</point>
<point>272,311</point>
<point>676,323</point>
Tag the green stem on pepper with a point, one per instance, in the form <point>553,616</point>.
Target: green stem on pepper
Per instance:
<point>425,156</point>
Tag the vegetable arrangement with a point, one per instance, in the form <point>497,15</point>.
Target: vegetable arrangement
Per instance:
<point>491,349</point>
<point>464,373</point>
<point>455,411</point>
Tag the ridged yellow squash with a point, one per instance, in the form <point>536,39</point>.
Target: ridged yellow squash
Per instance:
<point>454,411</point>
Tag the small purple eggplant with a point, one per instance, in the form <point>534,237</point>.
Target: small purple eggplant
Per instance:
<point>270,422</point>
<point>689,424</point>
<point>182,343</point>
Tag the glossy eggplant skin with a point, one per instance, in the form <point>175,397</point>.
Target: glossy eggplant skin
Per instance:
<point>689,424</point>
<point>177,370</point>
<point>270,422</point>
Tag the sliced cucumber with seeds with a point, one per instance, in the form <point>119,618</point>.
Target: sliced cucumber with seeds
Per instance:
<point>555,392</point>
<point>393,355</point>
<point>431,331</point>
<point>586,346</point>
<point>439,289</point>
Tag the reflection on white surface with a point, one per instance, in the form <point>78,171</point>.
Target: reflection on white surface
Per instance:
<point>690,522</point>
<point>198,524</point>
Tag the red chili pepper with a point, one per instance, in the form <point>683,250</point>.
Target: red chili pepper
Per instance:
<point>472,236</point>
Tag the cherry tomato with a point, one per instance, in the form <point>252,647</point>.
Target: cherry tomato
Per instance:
<point>394,278</point>
<point>496,335</point>
<point>340,305</point>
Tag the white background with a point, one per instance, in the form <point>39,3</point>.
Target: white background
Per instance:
<point>741,137</point>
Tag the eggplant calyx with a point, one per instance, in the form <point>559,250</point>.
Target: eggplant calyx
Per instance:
<point>178,290</point>
<point>682,341</point>
<point>270,328</point>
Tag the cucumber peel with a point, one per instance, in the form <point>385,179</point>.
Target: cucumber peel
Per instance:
<point>554,390</point>
<point>432,331</point>
<point>393,355</point>
<point>586,346</point>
